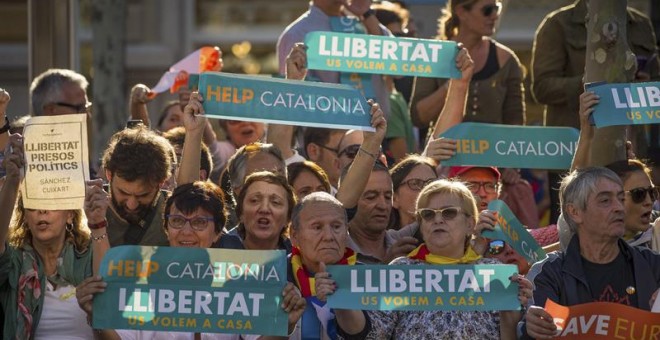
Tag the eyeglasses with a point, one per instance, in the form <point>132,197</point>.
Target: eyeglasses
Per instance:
<point>197,223</point>
<point>496,247</point>
<point>80,108</point>
<point>417,184</point>
<point>489,187</point>
<point>638,195</point>
<point>488,10</point>
<point>329,148</point>
<point>350,151</point>
<point>447,214</point>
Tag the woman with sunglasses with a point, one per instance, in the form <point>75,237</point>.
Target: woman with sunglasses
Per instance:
<point>496,92</point>
<point>502,251</point>
<point>447,214</point>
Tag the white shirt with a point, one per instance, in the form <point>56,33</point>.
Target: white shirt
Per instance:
<point>61,317</point>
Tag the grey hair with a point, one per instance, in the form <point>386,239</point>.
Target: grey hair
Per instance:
<point>314,198</point>
<point>578,185</point>
<point>46,88</point>
<point>238,161</point>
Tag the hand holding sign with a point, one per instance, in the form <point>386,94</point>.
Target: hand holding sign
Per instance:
<point>86,290</point>
<point>294,304</point>
<point>323,283</point>
<point>14,157</point>
<point>540,324</point>
<point>96,201</point>
<point>194,119</point>
<point>141,94</point>
<point>486,221</point>
<point>378,121</point>
<point>296,62</point>
<point>464,63</point>
<point>440,149</point>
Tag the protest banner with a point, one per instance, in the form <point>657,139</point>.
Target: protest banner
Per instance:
<point>511,231</point>
<point>511,146</point>
<point>56,162</point>
<point>204,59</point>
<point>424,287</point>
<point>282,101</point>
<point>192,290</point>
<point>603,320</point>
<point>626,104</point>
<point>364,53</point>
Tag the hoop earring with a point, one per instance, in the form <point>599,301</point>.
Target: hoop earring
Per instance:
<point>69,228</point>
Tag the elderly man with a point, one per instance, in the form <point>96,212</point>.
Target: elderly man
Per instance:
<point>320,235</point>
<point>597,266</point>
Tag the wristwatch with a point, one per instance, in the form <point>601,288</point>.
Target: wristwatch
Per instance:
<point>368,13</point>
<point>6,127</point>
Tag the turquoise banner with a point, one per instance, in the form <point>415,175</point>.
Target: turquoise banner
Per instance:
<point>626,104</point>
<point>282,101</point>
<point>192,290</point>
<point>511,146</point>
<point>364,53</point>
<point>511,231</point>
<point>424,287</point>
<point>193,81</point>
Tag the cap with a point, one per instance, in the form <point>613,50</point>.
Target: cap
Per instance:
<point>456,171</point>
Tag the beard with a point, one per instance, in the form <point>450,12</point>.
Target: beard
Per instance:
<point>133,217</point>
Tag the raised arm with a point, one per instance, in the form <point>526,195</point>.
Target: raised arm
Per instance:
<point>140,96</point>
<point>356,178</point>
<point>194,121</point>
<point>13,163</point>
<point>96,205</point>
<point>581,157</point>
<point>281,135</point>
<point>454,109</point>
<point>360,8</point>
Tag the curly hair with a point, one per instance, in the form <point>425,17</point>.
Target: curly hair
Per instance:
<point>138,154</point>
<point>20,235</point>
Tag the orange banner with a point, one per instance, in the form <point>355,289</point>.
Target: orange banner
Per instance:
<point>603,320</point>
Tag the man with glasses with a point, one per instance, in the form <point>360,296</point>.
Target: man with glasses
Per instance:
<point>321,147</point>
<point>59,92</point>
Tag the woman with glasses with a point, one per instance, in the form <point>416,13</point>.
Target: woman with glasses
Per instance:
<point>502,251</point>
<point>409,176</point>
<point>496,92</point>
<point>447,214</point>
<point>195,214</point>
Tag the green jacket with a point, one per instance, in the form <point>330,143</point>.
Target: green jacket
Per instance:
<point>23,284</point>
<point>558,58</point>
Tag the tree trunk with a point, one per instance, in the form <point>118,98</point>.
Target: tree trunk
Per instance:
<point>108,46</point>
<point>608,59</point>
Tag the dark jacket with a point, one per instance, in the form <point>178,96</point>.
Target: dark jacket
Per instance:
<point>561,278</point>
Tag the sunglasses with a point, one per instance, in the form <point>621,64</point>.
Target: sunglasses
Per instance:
<point>488,10</point>
<point>78,108</point>
<point>638,195</point>
<point>350,151</point>
<point>496,247</point>
<point>447,214</point>
<point>417,184</point>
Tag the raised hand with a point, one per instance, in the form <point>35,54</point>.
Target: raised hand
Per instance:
<point>296,62</point>
<point>14,157</point>
<point>96,201</point>
<point>194,119</point>
<point>440,149</point>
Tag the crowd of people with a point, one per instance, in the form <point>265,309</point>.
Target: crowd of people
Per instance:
<point>346,197</point>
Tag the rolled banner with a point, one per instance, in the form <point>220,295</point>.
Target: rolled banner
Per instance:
<point>204,59</point>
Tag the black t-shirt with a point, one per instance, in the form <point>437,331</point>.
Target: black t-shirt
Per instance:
<point>612,282</point>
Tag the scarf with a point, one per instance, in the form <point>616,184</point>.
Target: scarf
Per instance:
<point>423,253</point>
<point>316,313</point>
<point>72,269</point>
